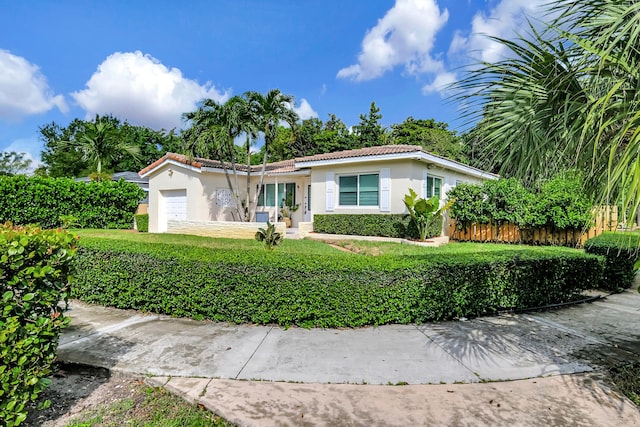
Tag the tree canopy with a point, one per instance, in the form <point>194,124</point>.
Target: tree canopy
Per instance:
<point>434,136</point>
<point>567,98</point>
<point>13,163</point>
<point>64,156</point>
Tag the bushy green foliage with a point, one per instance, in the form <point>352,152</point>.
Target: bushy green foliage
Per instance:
<point>621,251</point>
<point>34,271</point>
<point>325,289</point>
<point>559,203</point>
<point>392,225</point>
<point>142,222</point>
<point>43,201</point>
<point>424,213</point>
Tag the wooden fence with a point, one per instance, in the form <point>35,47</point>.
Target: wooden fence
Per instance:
<point>606,219</point>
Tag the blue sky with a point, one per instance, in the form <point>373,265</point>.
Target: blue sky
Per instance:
<point>149,62</point>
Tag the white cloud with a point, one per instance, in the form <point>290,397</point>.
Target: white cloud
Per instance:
<point>404,36</point>
<point>24,89</point>
<point>140,89</point>
<point>305,111</point>
<point>505,20</point>
<point>440,83</point>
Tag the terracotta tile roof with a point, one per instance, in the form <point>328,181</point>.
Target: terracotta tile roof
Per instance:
<point>362,152</point>
<point>198,162</point>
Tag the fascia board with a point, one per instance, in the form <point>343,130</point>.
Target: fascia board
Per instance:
<point>173,163</point>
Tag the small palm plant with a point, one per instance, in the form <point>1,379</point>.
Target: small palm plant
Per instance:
<point>269,236</point>
<point>424,212</point>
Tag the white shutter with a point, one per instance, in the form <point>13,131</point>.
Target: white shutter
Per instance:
<point>424,184</point>
<point>385,190</point>
<point>330,185</point>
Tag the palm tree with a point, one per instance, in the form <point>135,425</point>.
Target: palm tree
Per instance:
<point>99,144</point>
<point>567,98</point>
<point>266,113</point>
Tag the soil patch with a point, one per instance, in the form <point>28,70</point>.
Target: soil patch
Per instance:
<point>77,388</point>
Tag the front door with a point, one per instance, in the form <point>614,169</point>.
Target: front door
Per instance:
<point>307,202</point>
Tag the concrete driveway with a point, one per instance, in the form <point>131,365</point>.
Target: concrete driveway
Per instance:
<point>524,369</point>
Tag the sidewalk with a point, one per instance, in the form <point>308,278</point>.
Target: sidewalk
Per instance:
<point>350,375</point>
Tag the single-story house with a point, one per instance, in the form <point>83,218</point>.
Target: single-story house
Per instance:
<point>366,180</point>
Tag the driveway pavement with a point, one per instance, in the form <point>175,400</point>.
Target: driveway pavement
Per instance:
<point>523,369</point>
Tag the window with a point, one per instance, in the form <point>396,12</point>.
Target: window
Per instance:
<point>268,196</point>
<point>359,190</point>
<point>433,186</point>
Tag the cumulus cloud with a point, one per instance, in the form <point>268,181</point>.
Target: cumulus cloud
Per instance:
<point>304,110</point>
<point>440,83</point>
<point>505,20</point>
<point>24,89</point>
<point>140,89</point>
<point>403,37</point>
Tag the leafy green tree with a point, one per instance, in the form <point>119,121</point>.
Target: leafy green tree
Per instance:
<point>335,136</point>
<point>434,136</point>
<point>61,161</point>
<point>99,144</point>
<point>214,129</point>
<point>369,132</point>
<point>568,98</point>
<point>13,163</point>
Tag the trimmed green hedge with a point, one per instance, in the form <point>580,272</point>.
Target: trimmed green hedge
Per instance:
<point>382,225</point>
<point>621,251</point>
<point>325,290</point>
<point>40,200</point>
<point>34,273</point>
<point>142,222</point>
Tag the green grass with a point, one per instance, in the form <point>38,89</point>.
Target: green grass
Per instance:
<point>288,246</point>
<point>149,407</point>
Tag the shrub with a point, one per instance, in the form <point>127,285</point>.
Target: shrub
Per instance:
<point>34,272</point>
<point>621,251</point>
<point>390,225</point>
<point>560,203</point>
<point>142,222</point>
<point>326,290</point>
<point>44,201</point>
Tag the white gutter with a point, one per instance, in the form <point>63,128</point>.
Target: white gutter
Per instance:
<point>412,155</point>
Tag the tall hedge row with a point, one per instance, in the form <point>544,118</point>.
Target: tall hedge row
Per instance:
<point>34,273</point>
<point>39,200</point>
<point>382,225</point>
<point>560,203</point>
<point>622,252</point>
<point>325,290</point>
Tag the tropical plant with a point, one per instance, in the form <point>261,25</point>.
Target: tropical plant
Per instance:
<point>215,128</point>
<point>424,212</point>
<point>567,98</point>
<point>99,144</point>
<point>269,236</point>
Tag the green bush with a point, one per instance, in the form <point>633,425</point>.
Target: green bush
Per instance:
<point>381,225</point>
<point>559,203</point>
<point>621,251</point>
<point>326,290</point>
<point>142,222</point>
<point>34,272</point>
<point>44,201</point>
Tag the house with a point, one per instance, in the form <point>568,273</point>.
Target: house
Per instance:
<point>366,180</point>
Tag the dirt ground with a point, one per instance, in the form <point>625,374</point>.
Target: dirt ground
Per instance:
<point>76,389</point>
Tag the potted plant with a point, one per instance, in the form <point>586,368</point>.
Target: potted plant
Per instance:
<point>288,207</point>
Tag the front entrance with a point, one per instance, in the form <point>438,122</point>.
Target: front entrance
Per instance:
<point>307,201</point>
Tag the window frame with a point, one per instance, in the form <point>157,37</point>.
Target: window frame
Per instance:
<point>358,190</point>
<point>431,190</point>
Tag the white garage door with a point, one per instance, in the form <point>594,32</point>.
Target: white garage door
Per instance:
<point>174,206</point>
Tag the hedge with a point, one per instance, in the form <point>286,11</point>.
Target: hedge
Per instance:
<point>34,272</point>
<point>341,290</point>
<point>382,225</point>
<point>621,251</point>
<point>43,201</point>
<point>142,222</point>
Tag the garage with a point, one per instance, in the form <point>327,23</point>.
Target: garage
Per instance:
<point>174,207</point>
